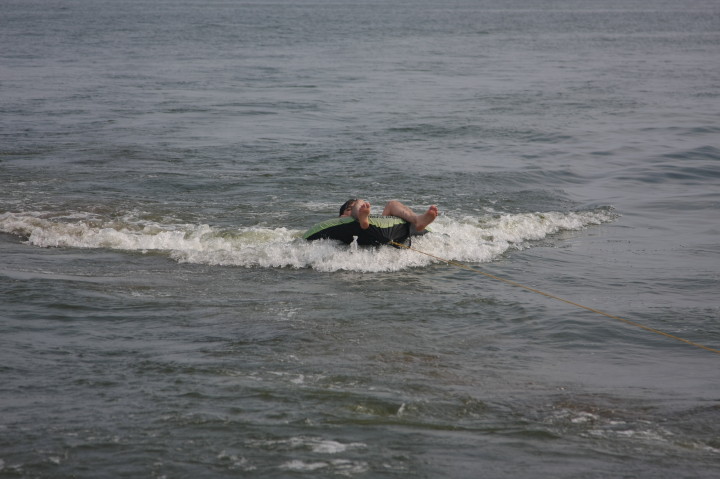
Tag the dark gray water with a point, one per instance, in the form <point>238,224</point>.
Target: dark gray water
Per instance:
<point>160,315</point>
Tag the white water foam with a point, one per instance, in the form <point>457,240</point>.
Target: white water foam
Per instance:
<point>314,444</point>
<point>470,239</point>
<point>338,466</point>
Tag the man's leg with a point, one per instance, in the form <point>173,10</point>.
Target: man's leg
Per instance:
<point>395,208</point>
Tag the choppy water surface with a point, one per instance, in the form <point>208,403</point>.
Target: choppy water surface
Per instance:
<point>160,315</point>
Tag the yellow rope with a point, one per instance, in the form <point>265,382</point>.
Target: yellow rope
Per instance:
<point>513,283</point>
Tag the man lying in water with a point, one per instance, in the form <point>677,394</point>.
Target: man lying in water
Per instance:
<point>360,210</point>
<point>397,224</point>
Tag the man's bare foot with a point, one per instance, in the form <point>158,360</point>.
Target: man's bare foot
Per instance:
<point>363,214</point>
<point>425,219</point>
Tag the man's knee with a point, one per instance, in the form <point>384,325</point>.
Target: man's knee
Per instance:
<point>391,206</point>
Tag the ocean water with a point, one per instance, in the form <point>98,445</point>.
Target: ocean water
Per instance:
<point>160,315</point>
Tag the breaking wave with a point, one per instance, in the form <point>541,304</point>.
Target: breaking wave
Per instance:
<point>470,239</point>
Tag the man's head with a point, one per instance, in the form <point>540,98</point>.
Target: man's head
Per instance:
<point>347,206</point>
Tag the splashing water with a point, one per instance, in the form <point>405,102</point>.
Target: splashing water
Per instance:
<point>471,239</point>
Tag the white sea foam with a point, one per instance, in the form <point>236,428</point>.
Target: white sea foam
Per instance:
<point>297,465</point>
<point>339,466</point>
<point>473,239</point>
<point>315,444</point>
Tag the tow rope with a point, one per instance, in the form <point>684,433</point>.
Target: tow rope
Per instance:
<point>552,296</point>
